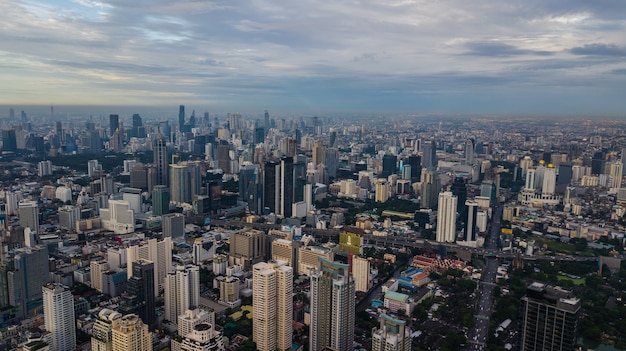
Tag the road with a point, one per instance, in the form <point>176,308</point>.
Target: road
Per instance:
<point>477,338</point>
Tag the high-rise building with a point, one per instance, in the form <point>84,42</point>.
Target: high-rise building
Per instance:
<point>471,220</point>
<point>389,165</point>
<point>362,273</point>
<point>185,181</point>
<point>29,273</point>
<point>131,334</point>
<point>550,318</point>
<point>58,309</point>
<point>160,200</point>
<point>266,122</point>
<point>139,297</point>
<point>190,318</point>
<point>119,217</point>
<point>470,148</point>
<point>9,140</point>
<point>382,190</point>
<point>250,187</point>
<point>459,189</point>
<point>173,225</point>
<point>161,160</point>
<point>446,217</point>
<point>182,291</point>
<point>98,268</point>
<point>114,124</point>
<point>102,331</point>
<point>319,153</point>
<point>287,187</point>
<point>332,307</point>
<point>181,118</point>
<point>429,155</point>
<point>431,185</point>
<point>29,215</point>
<point>392,335</point>
<point>159,252</point>
<point>272,306</point>
<point>616,171</point>
<point>549,180</point>
<point>44,168</point>
<point>247,247</point>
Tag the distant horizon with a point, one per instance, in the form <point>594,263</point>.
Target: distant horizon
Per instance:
<point>484,57</point>
<point>171,112</point>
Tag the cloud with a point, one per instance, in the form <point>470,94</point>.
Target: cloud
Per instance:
<point>311,52</point>
<point>599,49</point>
<point>496,49</point>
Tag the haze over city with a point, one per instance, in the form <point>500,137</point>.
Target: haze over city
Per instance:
<point>509,57</point>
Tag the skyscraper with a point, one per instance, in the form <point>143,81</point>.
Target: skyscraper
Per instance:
<point>266,122</point>
<point>161,161</point>
<point>470,221</point>
<point>182,291</point>
<point>319,153</point>
<point>9,140</point>
<point>131,334</point>
<point>29,215</point>
<point>332,306</point>
<point>248,247</point>
<point>392,335</point>
<point>181,118</point>
<point>431,185</point>
<point>180,180</point>
<point>58,307</point>
<point>160,200</point>
<point>550,318</point>
<point>446,217</point>
<point>101,336</point>
<point>139,297</point>
<point>429,155</point>
<point>389,165</point>
<point>173,225</point>
<point>114,124</point>
<point>30,272</point>
<point>272,306</point>
<point>159,252</point>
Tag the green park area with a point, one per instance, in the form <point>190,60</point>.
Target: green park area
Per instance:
<point>242,311</point>
<point>576,281</point>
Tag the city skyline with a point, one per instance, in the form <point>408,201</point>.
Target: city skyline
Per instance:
<point>519,58</point>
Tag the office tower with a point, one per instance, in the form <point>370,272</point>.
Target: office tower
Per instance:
<point>98,268</point>
<point>139,297</point>
<point>9,140</point>
<point>160,200</point>
<point>470,221</point>
<point>58,312</point>
<point>488,189</point>
<point>159,252</point>
<point>319,153</point>
<point>182,291</point>
<point>181,184</point>
<point>271,178</point>
<point>531,180</point>
<point>29,215</point>
<point>114,123</point>
<point>160,160</point>
<point>361,273</point>
<point>119,217</point>
<point>459,189</point>
<point>131,334</point>
<point>382,190</point>
<point>229,291</point>
<point>430,187</point>
<point>415,162</point>
<point>102,331</point>
<point>181,118</point>
<point>389,165</point>
<point>286,187</point>
<point>332,307</point>
<point>251,187</point>
<point>469,151</point>
<point>597,163</point>
<point>429,155</point>
<point>548,185</point>
<point>248,247</point>
<point>173,225</point>
<point>564,177</point>
<point>550,318</point>
<point>272,305</point>
<point>446,217</point>
<point>138,130</point>
<point>44,168</point>
<point>29,273</point>
<point>266,122</point>
<point>392,335</point>
<point>405,172</point>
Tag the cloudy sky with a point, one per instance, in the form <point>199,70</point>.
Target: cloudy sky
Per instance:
<point>478,56</point>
